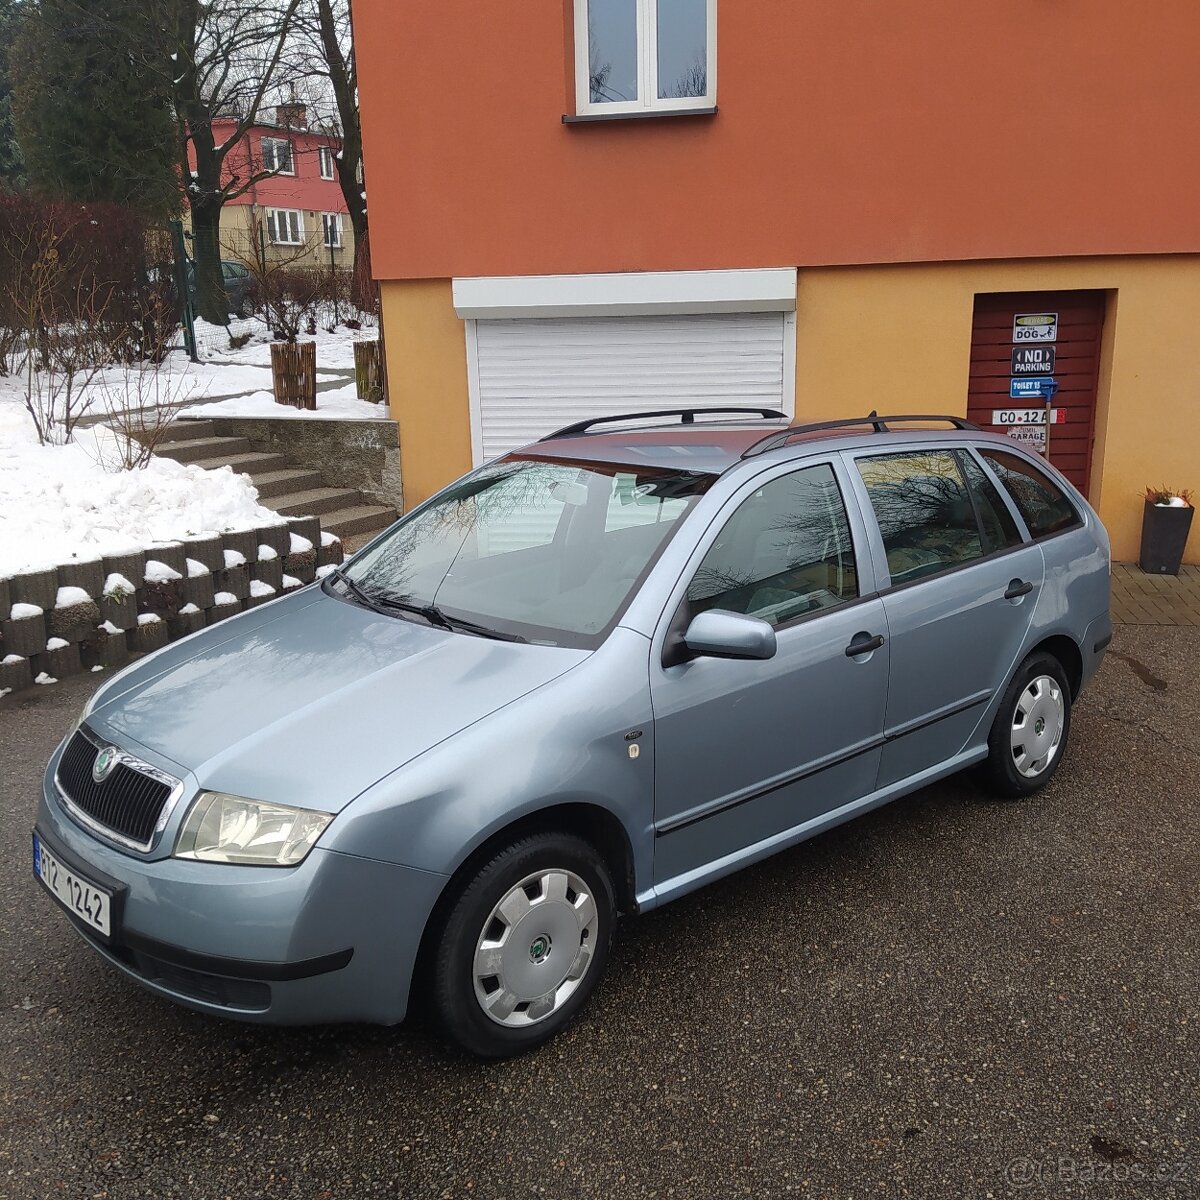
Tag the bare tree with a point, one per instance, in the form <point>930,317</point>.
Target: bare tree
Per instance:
<point>325,31</point>
<point>227,60</point>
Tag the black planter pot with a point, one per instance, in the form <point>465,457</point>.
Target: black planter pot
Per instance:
<point>1164,535</point>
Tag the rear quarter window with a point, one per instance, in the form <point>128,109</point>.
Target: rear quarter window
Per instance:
<point>1038,498</point>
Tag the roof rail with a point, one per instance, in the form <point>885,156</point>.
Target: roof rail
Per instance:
<point>878,425</point>
<point>687,415</point>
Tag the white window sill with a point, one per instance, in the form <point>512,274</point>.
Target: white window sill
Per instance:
<point>647,114</point>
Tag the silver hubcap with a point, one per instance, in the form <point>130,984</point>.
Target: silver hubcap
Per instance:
<point>1037,726</point>
<point>535,948</point>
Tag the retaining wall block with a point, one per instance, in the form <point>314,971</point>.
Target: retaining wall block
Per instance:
<point>74,622</point>
<point>5,598</point>
<point>88,575</point>
<point>16,674</point>
<point>59,663</point>
<point>306,527</point>
<point>171,553</point>
<point>268,570</point>
<point>206,548</point>
<point>35,587</point>
<point>143,638</point>
<point>278,536</point>
<point>25,636</point>
<point>181,624</point>
<point>244,542</point>
<point>165,598</point>
<point>303,566</point>
<point>121,608</point>
<point>331,554</point>
<point>219,612</point>
<point>233,579</point>
<point>199,590</point>
<point>131,567</point>
<point>104,649</point>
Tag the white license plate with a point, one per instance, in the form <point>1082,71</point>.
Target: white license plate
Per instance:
<point>83,899</point>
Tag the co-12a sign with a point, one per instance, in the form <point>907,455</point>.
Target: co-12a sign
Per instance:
<point>1035,327</point>
<point>1032,360</point>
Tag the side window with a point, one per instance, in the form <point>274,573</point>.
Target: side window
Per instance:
<point>999,529</point>
<point>785,552</point>
<point>1040,500</point>
<point>924,512</point>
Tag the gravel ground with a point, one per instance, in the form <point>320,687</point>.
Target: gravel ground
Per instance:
<point>951,997</point>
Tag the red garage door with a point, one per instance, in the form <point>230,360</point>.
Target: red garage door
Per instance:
<point>996,333</point>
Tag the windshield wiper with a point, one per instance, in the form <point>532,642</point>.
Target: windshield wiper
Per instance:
<point>362,596</point>
<point>435,616</point>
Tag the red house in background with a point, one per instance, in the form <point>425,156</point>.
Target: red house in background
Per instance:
<point>297,212</point>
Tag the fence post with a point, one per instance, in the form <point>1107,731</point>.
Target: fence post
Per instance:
<point>183,290</point>
<point>294,371</point>
<point>368,371</point>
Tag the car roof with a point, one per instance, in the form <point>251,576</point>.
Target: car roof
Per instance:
<point>713,447</point>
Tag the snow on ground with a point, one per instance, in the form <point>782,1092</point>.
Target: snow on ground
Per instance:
<point>222,371</point>
<point>59,503</point>
<point>334,404</point>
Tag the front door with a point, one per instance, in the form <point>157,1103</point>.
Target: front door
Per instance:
<point>1021,338</point>
<point>746,751</point>
<point>959,595</point>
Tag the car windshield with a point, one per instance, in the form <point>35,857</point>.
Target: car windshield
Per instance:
<point>532,549</point>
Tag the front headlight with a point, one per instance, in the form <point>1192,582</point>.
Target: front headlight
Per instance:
<point>232,829</point>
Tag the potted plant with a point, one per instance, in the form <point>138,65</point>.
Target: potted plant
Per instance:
<point>1165,525</point>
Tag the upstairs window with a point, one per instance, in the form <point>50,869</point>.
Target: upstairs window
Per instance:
<point>645,56</point>
<point>331,230</point>
<point>277,156</point>
<point>325,156</point>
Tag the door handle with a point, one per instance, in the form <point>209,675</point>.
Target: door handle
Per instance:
<point>1018,587</point>
<point>864,646</point>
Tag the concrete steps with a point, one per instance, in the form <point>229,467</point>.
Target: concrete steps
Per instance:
<point>284,485</point>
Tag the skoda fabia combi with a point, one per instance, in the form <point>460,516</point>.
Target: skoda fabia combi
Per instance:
<point>585,679</point>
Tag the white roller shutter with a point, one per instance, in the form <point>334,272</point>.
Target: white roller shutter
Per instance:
<point>534,375</point>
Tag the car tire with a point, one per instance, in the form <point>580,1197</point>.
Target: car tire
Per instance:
<point>523,945</point>
<point>1030,732</point>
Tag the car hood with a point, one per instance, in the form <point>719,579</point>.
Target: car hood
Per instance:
<point>311,700</point>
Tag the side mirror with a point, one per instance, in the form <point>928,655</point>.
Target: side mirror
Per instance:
<point>721,634</point>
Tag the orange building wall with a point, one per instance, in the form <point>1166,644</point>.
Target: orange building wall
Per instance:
<point>849,131</point>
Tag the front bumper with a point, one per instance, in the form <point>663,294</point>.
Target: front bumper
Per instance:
<point>334,939</point>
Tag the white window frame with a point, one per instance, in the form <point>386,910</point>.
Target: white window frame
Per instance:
<point>647,46</point>
<point>325,155</point>
<point>331,221</point>
<point>273,226</point>
<point>271,158</point>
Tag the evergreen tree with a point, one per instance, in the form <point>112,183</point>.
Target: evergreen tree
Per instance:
<point>12,165</point>
<point>91,88</point>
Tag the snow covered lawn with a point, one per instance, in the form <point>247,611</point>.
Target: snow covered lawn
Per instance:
<point>59,503</point>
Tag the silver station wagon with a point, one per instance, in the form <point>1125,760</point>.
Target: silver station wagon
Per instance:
<point>586,678</point>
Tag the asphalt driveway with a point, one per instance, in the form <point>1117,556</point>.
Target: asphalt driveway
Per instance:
<point>951,997</point>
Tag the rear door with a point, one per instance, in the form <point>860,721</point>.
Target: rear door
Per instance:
<point>958,585</point>
<point>746,751</point>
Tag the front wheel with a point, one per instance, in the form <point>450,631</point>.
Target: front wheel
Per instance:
<point>1029,735</point>
<point>524,945</point>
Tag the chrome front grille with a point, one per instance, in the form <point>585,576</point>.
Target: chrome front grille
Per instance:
<point>127,804</point>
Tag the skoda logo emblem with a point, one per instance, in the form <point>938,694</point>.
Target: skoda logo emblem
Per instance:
<point>105,761</point>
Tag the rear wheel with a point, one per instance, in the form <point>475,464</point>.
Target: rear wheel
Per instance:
<point>1029,735</point>
<point>524,945</point>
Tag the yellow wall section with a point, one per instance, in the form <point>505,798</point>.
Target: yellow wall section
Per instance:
<point>899,338</point>
<point>891,337</point>
<point>427,384</point>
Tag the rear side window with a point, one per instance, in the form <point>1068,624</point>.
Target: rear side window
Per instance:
<point>1040,501</point>
<point>924,511</point>
<point>999,529</point>
<point>785,552</point>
